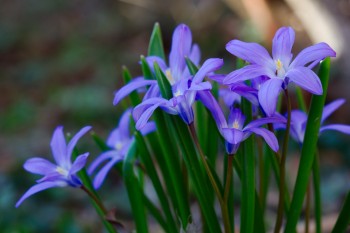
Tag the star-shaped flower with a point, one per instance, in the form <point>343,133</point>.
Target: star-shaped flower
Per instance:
<point>64,172</point>
<point>280,69</point>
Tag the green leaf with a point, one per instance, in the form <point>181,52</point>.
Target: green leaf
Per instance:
<point>248,178</point>
<point>197,175</point>
<point>155,47</point>
<point>170,226</point>
<point>146,70</point>
<point>163,83</point>
<point>99,142</point>
<point>191,67</point>
<point>169,162</point>
<point>308,149</point>
<point>134,191</point>
<point>344,217</point>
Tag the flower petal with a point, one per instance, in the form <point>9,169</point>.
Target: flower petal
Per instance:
<point>101,158</point>
<point>153,91</point>
<point>124,124</point>
<point>337,127</point>
<point>195,55</point>
<point>101,175</point>
<point>313,53</point>
<point>34,189</point>
<point>282,45</point>
<point>79,163</point>
<point>250,52</point>
<point>144,117</point>
<point>180,48</point>
<point>268,136</point>
<point>331,107</point>
<point>212,105</point>
<point>74,141</point>
<point>229,97</point>
<point>246,73</point>
<point>259,122</point>
<point>130,87</point>
<point>209,66</point>
<point>152,59</point>
<point>139,109</point>
<point>298,125</point>
<point>200,86</point>
<point>233,136</point>
<point>268,95</point>
<point>39,166</point>
<point>59,147</point>
<point>148,128</point>
<point>306,79</point>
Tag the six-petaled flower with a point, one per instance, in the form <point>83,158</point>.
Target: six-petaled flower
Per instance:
<point>64,172</point>
<point>119,141</point>
<point>279,69</point>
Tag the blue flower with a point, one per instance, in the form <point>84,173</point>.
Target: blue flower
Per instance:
<point>184,85</point>
<point>233,130</point>
<point>299,120</point>
<point>61,174</point>
<point>119,141</point>
<point>280,69</point>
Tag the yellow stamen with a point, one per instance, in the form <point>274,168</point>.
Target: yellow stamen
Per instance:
<point>235,125</point>
<point>62,171</point>
<point>119,145</point>
<point>169,76</point>
<point>279,65</point>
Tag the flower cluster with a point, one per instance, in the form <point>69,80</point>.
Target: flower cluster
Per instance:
<point>182,86</point>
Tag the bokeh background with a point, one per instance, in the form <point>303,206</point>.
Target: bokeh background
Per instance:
<point>60,63</point>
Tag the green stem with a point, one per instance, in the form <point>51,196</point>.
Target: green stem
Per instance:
<point>228,178</point>
<point>307,208</point>
<point>224,211</point>
<point>317,193</point>
<point>96,200</point>
<point>283,167</point>
<point>261,173</point>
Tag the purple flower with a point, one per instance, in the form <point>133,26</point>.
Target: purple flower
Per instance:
<point>119,141</point>
<point>61,174</point>
<point>184,85</point>
<point>280,69</point>
<point>299,120</point>
<point>234,130</point>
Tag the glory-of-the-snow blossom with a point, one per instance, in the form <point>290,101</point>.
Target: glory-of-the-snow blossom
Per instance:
<point>279,69</point>
<point>64,172</point>
<point>184,85</point>
<point>299,120</point>
<point>119,140</point>
<point>233,130</point>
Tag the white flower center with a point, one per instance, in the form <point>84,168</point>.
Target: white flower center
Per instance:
<point>235,125</point>
<point>118,145</point>
<point>62,171</point>
<point>178,93</point>
<point>169,76</point>
<point>280,71</point>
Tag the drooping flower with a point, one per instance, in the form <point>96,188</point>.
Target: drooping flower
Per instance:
<point>119,141</point>
<point>299,120</point>
<point>280,69</point>
<point>64,172</point>
<point>233,130</point>
<point>184,85</point>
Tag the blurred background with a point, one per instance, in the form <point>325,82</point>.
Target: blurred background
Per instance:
<point>60,63</point>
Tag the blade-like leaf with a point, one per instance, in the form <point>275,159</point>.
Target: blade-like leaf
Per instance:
<point>155,47</point>
<point>308,149</point>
